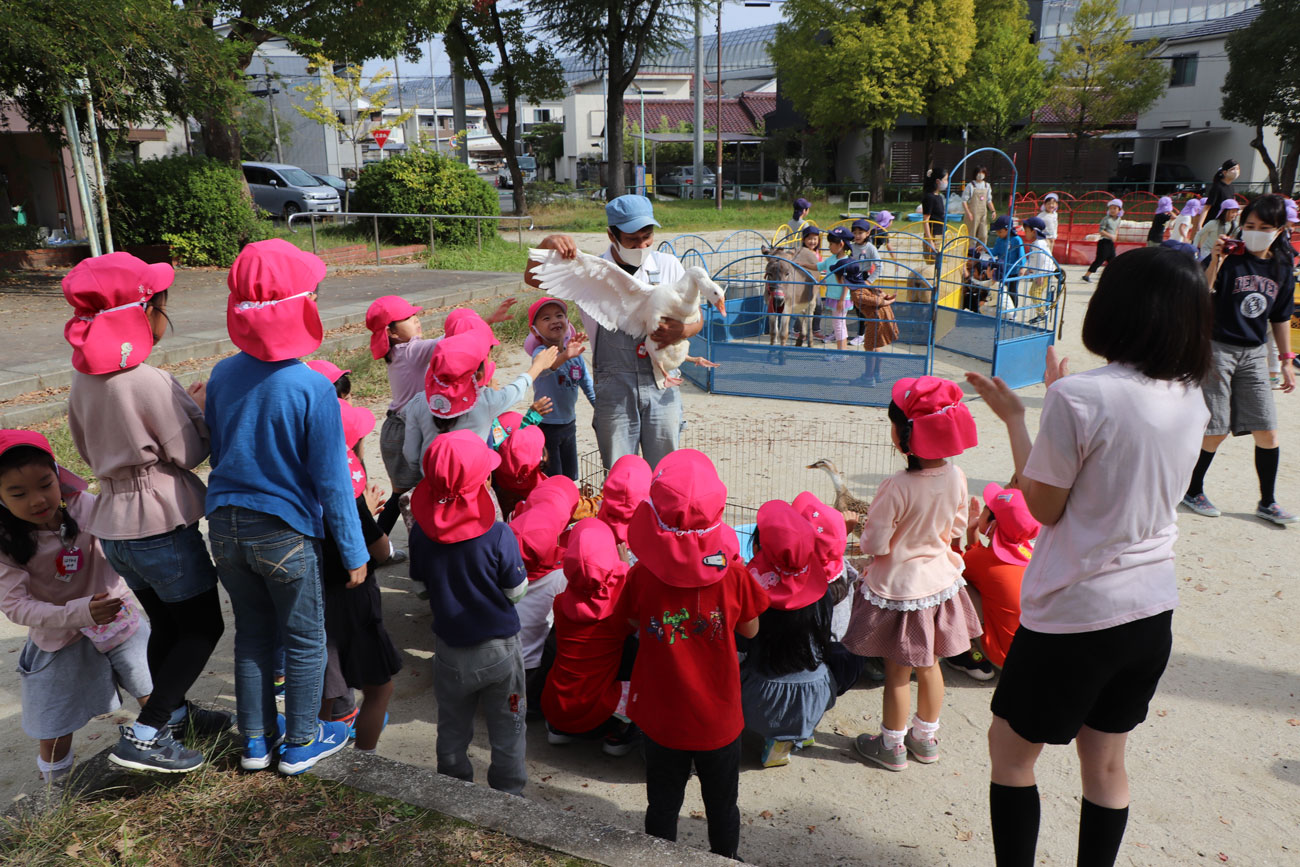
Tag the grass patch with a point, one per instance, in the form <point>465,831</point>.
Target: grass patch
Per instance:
<point>498,254</point>
<point>328,235</point>
<point>693,215</point>
<point>218,816</point>
<point>65,452</point>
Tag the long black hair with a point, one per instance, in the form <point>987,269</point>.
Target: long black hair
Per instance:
<point>790,641</point>
<point>903,425</point>
<point>18,537</point>
<point>931,182</point>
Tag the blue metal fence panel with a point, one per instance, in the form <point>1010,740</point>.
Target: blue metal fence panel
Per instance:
<point>848,376</point>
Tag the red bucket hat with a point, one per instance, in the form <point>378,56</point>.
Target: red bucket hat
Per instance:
<point>532,341</point>
<point>942,425</point>
<point>69,481</point>
<point>1014,528</point>
<point>383,312</point>
<point>678,531</point>
<point>831,536</point>
<point>556,494</point>
<point>452,502</point>
<point>521,460</point>
<point>330,371</point>
<point>538,532</point>
<point>626,487</point>
<point>510,421</point>
<point>786,565</point>
<point>109,329</point>
<point>451,384</point>
<point>358,422</point>
<point>269,314</point>
<point>462,320</point>
<point>593,570</point>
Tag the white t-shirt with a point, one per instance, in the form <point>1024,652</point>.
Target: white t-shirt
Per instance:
<point>1125,446</point>
<point>1049,221</point>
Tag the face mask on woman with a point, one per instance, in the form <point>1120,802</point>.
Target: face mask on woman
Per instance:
<point>980,176</point>
<point>943,185</point>
<point>1258,240</point>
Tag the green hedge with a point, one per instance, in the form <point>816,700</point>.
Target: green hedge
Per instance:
<point>15,237</point>
<point>423,182</point>
<point>197,205</point>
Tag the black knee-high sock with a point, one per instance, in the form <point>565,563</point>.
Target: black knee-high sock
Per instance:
<point>1014,811</point>
<point>1101,830</point>
<point>391,512</point>
<point>1266,461</point>
<point>1197,486</point>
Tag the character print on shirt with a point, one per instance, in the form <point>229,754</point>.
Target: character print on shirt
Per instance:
<point>674,624</point>
<point>655,629</point>
<point>713,625</point>
<point>570,376</point>
<point>1259,292</point>
<point>682,625</point>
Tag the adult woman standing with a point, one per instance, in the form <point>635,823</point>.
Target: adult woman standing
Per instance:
<point>1103,478</point>
<point>1220,189</point>
<point>977,205</point>
<point>934,208</point>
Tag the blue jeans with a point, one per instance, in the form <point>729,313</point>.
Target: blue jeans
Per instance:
<point>272,573</point>
<point>174,565</point>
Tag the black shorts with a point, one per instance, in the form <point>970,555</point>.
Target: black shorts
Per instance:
<point>1054,684</point>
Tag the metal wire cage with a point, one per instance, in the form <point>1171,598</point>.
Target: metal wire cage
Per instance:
<point>769,458</point>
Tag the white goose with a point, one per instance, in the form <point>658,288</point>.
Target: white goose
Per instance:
<point>618,301</point>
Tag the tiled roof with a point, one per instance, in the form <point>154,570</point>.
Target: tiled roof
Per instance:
<point>742,115</point>
<point>1220,26</point>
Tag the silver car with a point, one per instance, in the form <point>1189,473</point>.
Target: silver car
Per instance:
<point>285,190</point>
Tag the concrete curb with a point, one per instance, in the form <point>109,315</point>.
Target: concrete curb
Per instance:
<point>526,820</point>
<point>214,344</point>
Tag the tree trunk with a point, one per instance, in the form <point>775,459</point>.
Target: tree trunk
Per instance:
<point>1288,170</point>
<point>877,164</point>
<point>1258,144</point>
<point>614,185</point>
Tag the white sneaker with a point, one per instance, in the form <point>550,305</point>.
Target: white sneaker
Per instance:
<point>857,341</point>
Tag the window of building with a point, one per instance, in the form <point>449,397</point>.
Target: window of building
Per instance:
<point>541,115</point>
<point>1183,70</point>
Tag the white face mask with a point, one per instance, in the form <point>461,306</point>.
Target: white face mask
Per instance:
<point>1258,240</point>
<point>943,185</point>
<point>634,256</point>
<point>980,176</point>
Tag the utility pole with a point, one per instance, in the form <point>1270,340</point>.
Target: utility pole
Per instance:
<point>92,128</point>
<point>458,114</point>
<point>275,118</point>
<point>79,169</point>
<point>717,181</point>
<point>698,155</point>
<point>433,86</point>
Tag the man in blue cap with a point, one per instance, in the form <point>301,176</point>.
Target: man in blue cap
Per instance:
<point>631,411</point>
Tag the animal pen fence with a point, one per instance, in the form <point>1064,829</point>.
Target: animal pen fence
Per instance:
<point>770,458</point>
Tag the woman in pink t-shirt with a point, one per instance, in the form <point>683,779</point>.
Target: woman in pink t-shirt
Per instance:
<point>1104,477</point>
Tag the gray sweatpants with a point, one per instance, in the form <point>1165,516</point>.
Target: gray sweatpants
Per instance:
<point>490,675</point>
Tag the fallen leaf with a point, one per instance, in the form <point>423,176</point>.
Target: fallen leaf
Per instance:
<point>1223,858</point>
<point>1162,713</point>
<point>332,835</point>
<point>476,855</point>
<point>1277,595</point>
<point>93,737</point>
<point>1225,821</point>
<point>965,835</point>
<point>1293,722</point>
<point>1142,845</point>
<point>812,828</point>
<point>73,851</point>
<point>585,785</point>
<point>696,814</point>
<point>766,814</point>
<point>1200,588</point>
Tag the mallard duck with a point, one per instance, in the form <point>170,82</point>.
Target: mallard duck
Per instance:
<point>844,500</point>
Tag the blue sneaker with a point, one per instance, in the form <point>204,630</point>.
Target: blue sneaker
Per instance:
<point>257,752</point>
<point>330,738</point>
<point>162,755</point>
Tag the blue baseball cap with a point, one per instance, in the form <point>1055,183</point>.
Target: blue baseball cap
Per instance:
<point>848,272</point>
<point>810,230</point>
<point>802,204</point>
<point>1034,223</point>
<point>1002,222</point>
<point>1181,247</point>
<point>839,233</point>
<point>864,225</point>
<point>630,213</point>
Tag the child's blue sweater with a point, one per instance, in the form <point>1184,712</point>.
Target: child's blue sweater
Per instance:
<point>277,448</point>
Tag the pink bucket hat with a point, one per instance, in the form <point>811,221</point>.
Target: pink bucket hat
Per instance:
<point>785,563</point>
<point>678,531</point>
<point>327,369</point>
<point>451,383</point>
<point>510,421</point>
<point>383,312</point>
<point>942,425</point>
<point>626,487</point>
<point>109,329</point>
<point>538,532</point>
<point>831,534</point>
<point>358,422</point>
<point>69,482</point>
<point>269,313</point>
<point>452,503</point>
<point>532,341</point>
<point>521,460</point>
<point>462,319</point>
<point>594,572</point>
<point>1014,528</point>
<point>556,494</point>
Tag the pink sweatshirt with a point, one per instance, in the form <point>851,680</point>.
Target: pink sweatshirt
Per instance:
<point>52,609</point>
<point>910,528</point>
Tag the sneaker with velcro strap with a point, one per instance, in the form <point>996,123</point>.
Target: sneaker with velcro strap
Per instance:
<point>972,663</point>
<point>299,758</point>
<point>162,755</point>
<point>260,751</point>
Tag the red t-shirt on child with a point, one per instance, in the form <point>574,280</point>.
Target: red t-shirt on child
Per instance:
<point>999,587</point>
<point>686,681</point>
<point>582,689</point>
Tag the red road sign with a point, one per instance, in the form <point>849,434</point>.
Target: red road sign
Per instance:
<point>380,136</point>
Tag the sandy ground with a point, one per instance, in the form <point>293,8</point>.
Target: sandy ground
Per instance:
<point>1215,769</point>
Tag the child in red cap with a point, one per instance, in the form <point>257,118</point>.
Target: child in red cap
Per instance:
<point>143,434</point>
<point>278,478</point>
<point>85,637</point>
<point>470,564</point>
<point>548,325</point>
<point>522,456</point>
<point>586,690</point>
<point>688,596</point>
<point>360,653</point>
<point>626,487</point>
<point>396,336</point>
<point>785,685</point>
<point>912,607</point>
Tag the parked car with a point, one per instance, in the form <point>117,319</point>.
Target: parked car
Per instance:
<point>332,181</point>
<point>527,165</point>
<point>285,190</point>
<point>681,183</point>
<point>1171,178</point>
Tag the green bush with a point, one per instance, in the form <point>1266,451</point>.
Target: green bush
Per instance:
<point>15,237</point>
<point>423,182</point>
<point>197,205</point>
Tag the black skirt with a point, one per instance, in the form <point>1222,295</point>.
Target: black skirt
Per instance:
<point>354,624</point>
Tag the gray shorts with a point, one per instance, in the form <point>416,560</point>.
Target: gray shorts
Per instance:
<point>1237,391</point>
<point>62,690</point>
<point>401,475</point>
